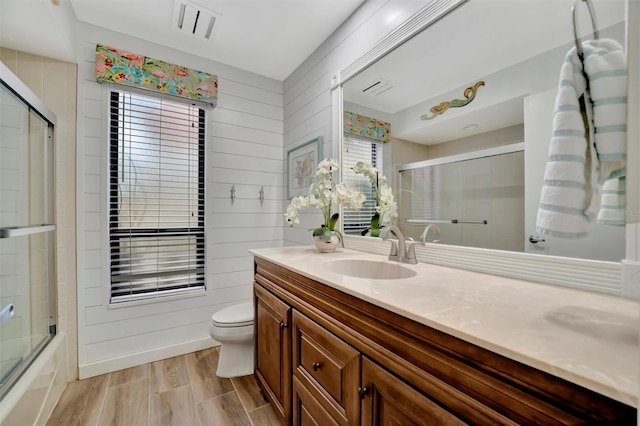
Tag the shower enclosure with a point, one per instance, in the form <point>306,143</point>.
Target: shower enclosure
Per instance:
<point>27,229</point>
<point>474,199</point>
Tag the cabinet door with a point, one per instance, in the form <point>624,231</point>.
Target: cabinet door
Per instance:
<point>388,400</point>
<point>273,349</point>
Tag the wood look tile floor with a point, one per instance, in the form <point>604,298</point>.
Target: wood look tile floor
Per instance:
<point>179,391</point>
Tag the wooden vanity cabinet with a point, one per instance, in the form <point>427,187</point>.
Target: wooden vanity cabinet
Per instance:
<point>340,360</point>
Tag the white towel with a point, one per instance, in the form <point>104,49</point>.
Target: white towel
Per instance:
<point>613,202</point>
<point>579,161</point>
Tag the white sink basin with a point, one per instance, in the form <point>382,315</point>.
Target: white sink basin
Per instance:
<point>369,269</point>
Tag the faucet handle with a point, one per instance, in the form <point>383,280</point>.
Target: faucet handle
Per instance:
<point>393,253</point>
<point>411,252</point>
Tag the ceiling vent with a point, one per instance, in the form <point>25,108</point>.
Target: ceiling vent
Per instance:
<point>377,87</point>
<point>193,19</point>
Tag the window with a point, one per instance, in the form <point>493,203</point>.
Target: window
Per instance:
<point>156,210</point>
<point>370,152</point>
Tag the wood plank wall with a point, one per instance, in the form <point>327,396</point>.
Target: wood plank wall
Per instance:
<point>244,148</point>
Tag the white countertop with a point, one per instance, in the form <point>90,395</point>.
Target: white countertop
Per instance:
<point>585,338</point>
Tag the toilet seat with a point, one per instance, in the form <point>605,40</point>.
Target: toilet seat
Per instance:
<point>240,315</point>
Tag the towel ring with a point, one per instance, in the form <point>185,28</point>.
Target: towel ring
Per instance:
<point>575,25</point>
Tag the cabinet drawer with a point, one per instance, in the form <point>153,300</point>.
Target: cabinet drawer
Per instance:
<point>306,410</point>
<point>329,366</point>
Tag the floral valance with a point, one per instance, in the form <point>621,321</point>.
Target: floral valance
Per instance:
<point>366,126</point>
<point>130,69</point>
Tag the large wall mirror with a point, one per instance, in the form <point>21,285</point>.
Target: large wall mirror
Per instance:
<point>476,171</point>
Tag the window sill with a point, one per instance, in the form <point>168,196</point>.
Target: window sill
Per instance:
<point>158,299</point>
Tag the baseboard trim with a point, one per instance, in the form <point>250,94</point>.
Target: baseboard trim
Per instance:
<point>114,364</point>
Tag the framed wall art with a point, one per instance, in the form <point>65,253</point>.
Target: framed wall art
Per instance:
<point>301,166</point>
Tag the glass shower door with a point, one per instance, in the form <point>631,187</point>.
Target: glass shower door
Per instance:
<point>474,202</point>
<point>27,237</point>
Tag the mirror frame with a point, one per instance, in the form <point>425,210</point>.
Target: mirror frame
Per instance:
<point>590,275</point>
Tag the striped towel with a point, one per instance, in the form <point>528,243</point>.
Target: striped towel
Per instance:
<point>613,202</point>
<point>578,160</point>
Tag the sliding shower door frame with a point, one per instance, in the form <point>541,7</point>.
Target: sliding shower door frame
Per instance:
<point>38,111</point>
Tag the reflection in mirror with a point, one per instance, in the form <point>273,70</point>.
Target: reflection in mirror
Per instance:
<point>465,195</point>
<point>439,159</point>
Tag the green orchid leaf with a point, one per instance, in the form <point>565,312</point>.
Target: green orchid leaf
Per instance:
<point>375,221</point>
<point>323,233</point>
<point>319,231</point>
<point>333,221</point>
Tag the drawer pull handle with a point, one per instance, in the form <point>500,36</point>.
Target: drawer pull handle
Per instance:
<point>283,325</point>
<point>363,391</point>
<point>316,366</point>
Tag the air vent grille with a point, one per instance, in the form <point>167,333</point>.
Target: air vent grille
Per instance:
<point>194,20</point>
<point>377,87</point>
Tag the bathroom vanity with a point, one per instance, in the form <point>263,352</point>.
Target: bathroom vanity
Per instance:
<point>432,345</point>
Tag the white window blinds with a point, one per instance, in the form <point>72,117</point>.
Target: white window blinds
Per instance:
<point>370,152</point>
<point>156,212</point>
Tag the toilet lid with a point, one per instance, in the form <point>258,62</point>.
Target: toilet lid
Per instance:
<point>234,316</point>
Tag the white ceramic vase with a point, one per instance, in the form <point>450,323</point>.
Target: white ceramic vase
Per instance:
<point>327,246</point>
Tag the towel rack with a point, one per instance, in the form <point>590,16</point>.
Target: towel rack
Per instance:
<point>575,25</point>
<point>473,222</point>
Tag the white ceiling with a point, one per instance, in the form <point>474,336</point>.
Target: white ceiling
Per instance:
<point>268,37</point>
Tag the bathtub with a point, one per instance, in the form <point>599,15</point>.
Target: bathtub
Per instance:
<point>33,397</point>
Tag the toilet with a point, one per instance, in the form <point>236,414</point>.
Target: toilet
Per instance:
<point>233,328</point>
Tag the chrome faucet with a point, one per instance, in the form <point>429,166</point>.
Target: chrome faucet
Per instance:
<point>401,252</point>
<point>435,230</point>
